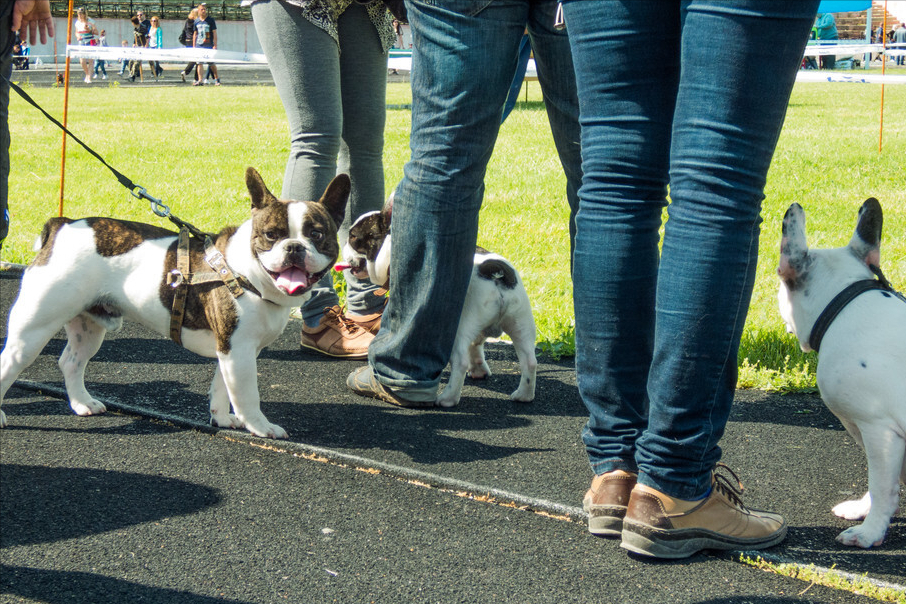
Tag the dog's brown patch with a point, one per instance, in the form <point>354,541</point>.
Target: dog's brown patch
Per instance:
<point>48,235</point>
<point>117,237</point>
<point>208,305</point>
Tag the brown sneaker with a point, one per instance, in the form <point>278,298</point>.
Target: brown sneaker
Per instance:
<point>606,502</point>
<point>337,336</point>
<point>661,526</point>
<point>371,322</point>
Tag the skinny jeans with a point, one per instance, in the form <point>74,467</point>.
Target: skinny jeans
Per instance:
<point>335,102</point>
<point>685,97</point>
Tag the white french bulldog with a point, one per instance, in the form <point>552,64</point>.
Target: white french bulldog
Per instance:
<point>861,354</point>
<point>496,302</point>
<point>89,274</point>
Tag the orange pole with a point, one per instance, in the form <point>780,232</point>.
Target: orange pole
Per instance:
<point>65,107</point>
<point>883,71</point>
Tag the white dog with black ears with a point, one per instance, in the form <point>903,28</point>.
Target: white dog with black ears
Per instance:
<point>92,273</point>
<point>834,304</point>
<point>496,302</point>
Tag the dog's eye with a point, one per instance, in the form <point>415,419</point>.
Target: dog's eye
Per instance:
<point>271,236</point>
<point>316,235</point>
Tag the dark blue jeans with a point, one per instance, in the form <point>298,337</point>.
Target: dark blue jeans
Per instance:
<point>687,97</point>
<point>464,56</point>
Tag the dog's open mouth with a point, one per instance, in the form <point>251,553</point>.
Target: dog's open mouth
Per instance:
<point>359,269</point>
<point>293,280</point>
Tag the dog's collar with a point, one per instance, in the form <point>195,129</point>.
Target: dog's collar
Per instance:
<point>846,296</point>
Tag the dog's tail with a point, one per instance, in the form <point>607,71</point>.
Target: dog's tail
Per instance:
<point>499,270</point>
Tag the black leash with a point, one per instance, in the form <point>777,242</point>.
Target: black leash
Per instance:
<point>139,192</point>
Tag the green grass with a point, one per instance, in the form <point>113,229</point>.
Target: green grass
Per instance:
<point>190,147</point>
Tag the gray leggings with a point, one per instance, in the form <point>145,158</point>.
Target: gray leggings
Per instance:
<point>335,102</point>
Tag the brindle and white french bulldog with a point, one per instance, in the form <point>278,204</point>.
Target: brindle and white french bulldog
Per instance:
<point>92,273</point>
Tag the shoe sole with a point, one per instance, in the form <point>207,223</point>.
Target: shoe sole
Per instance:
<point>355,356</point>
<point>682,543</point>
<point>605,526</point>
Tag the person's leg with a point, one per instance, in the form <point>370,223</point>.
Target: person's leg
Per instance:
<point>557,77</point>
<point>363,88</point>
<point>626,105</point>
<point>464,58</point>
<point>723,141</point>
<point>6,71</point>
<point>304,61</point>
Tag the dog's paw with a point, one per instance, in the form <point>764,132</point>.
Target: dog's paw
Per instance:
<point>266,429</point>
<point>857,509</point>
<point>859,536</point>
<point>523,395</point>
<point>2,419</point>
<point>479,372</point>
<point>229,421</point>
<point>447,400</point>
<point>88,407</point>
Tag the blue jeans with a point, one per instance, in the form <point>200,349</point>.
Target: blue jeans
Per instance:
<point>335,99</point>
<point>464,56</point>
<point>687,95</point>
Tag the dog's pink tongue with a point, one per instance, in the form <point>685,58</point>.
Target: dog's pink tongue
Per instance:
<point>292,280</point>
<point>340,267</point>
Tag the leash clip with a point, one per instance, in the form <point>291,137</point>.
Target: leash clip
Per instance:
<point>157,206</point>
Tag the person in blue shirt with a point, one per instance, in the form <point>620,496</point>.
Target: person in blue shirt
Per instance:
<point>826,27</point>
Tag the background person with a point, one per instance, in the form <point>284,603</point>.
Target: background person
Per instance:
<point>658,332</point>
<point>185,38</point>
<point>86,35</point>
<point>826,27</point>
<point>329,63</point>
<point>463,60</point>
<point>205,36</point>
<point>155,40</point>
<point>899,38</point>
<point>100,65</point>
<point>140,38</point>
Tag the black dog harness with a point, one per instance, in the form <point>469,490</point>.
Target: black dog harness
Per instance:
<point>846,296</point>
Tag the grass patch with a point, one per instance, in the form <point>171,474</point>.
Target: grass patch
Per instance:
<point>828,578</point>
<point>190,147</point>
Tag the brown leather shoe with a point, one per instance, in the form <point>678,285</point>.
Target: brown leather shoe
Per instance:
<point>337,336</point>
<point>606,502</point>
<point>661,526</point>
<point>371,322</point>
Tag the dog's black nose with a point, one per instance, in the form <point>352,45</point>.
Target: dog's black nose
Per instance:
<point>294,248</point>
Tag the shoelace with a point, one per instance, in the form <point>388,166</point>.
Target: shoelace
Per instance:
<point>724,484</point>
<point>335,315</point>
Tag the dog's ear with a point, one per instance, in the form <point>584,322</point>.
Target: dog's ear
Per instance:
<point>793,247</point>
<point>261,196</point>
<point>387,210</point>
<point>335,197</point>
<point>866,241</point>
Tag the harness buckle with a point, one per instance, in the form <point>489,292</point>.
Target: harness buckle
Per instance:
<point>175,278</point>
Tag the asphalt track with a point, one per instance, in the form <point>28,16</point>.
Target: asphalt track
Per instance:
<point>370,503</point>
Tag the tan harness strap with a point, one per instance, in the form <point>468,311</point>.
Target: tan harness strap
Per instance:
<point>181,278</point>
<point>182,288</point>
